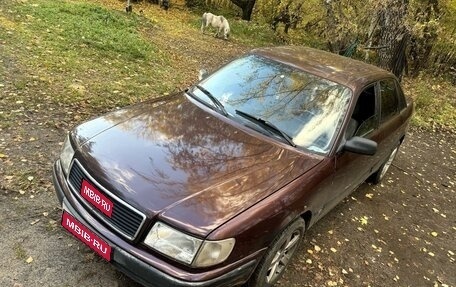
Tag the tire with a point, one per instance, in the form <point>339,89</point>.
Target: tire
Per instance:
<point>279,254</point>
<point>378,176</point>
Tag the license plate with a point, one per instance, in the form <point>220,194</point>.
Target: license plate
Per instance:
<point>84,234</point>
<point>96,198</point>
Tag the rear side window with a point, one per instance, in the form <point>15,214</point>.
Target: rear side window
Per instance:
<point>389,99</point>
<point>400,94</point>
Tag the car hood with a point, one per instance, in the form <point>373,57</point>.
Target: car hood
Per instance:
<point>182,163</point>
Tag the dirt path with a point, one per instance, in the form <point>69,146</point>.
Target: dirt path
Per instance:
<point>401,233</point>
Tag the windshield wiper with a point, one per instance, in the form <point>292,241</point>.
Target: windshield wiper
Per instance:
<point>267,124</point>
<point>216,102</point>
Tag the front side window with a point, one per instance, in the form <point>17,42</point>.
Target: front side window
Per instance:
<point>309,109</point>
<point>364,118</point>
<point>389,99</point>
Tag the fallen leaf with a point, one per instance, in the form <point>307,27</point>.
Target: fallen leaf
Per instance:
<point>433,233</point>
<point>29,260</point>
<point>34,222</point>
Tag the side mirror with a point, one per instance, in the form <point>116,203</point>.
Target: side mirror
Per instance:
<point>361,146</point>
<point>202,74</point>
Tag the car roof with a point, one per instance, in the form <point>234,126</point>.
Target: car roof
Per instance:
<point>351,73</point>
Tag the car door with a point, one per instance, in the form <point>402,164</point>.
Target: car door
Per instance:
<point>375,116</point>
<point>352,169</point>
<point>390,122</point>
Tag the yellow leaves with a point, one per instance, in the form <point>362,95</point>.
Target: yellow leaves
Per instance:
<point>35,221</point>
<point>435,234</point>
<point>77,88</point>
<point>363,220</point>
<point>7,24</point>
<point>2,155</point>
<point>376,248</point>
<point>29,260</point>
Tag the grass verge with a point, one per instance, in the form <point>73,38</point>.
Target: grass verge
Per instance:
<point>86,54</point>
<point>435,102</point>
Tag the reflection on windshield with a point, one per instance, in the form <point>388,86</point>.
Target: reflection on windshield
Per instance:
<point>306,107</point>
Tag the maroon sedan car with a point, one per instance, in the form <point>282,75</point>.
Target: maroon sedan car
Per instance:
<point>215,186</point>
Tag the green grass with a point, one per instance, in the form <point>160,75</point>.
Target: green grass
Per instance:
<point>247,33</point>
<point>19,251</point>
<point>253,34</point>
<point>88,28</point>
<point>435,102</point>
<point>104,51</point>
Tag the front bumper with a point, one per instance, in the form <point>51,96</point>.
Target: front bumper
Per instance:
<point>136,268</point>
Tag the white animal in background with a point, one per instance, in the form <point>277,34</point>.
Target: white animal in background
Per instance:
<point>218,22</point>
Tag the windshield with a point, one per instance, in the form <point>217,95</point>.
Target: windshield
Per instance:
<point>306,107</point>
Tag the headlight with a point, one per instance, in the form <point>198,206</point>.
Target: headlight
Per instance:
<point>173,243</point>
<point>67,155</point>
<point>184,248</point>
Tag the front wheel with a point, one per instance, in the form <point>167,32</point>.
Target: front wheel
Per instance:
<point>276,259</point>
<point>380,173</point>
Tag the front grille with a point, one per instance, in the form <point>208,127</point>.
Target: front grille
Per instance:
<point>124,219</point>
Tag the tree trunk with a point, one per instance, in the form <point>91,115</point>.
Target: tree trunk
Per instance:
<point>421,46</point>
<point>394,36</point>
<point>246,6</point>
<point>334,44</point>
